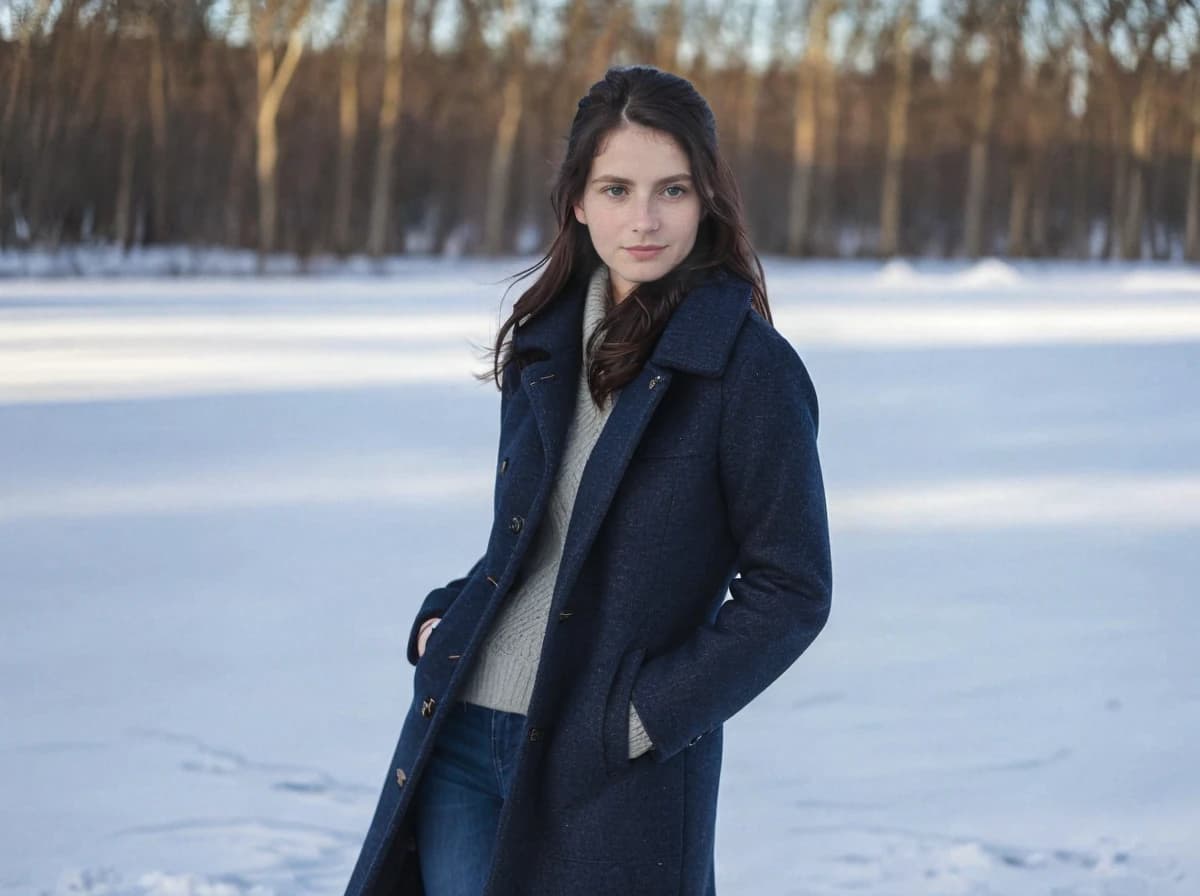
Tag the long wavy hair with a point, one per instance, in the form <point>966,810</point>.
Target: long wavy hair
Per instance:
<point>653,98</point>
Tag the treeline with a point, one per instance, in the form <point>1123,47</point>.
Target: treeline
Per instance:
<point>1061,128</point>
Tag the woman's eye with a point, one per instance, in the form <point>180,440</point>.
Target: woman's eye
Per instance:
<point>682,190</point>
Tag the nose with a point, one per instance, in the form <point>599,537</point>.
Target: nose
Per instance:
<point>646,217</point>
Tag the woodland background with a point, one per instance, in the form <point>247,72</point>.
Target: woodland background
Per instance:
<point>857,128</point>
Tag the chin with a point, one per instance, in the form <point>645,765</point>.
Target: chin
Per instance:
<point>647,273</point>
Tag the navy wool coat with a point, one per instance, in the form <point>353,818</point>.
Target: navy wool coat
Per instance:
<point>706,469</point>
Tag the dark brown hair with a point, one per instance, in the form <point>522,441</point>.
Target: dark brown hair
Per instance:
<point>647,96</point>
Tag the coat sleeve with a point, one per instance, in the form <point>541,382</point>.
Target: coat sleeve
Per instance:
<point>439,599</point>
<point>770,476</point>
<point>436,603</point>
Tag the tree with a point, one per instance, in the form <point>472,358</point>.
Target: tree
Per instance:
<point>353,31</point>
<point>269,19</point>
<point>1138,27</point>
<point>496,227</point>
<point>897,134</point>
<point>813,76</point>
<point>389,118</point>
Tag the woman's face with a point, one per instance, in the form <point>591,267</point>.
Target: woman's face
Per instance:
<point>639,192</point>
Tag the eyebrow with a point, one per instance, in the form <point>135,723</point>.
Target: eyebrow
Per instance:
<point>612,178</point>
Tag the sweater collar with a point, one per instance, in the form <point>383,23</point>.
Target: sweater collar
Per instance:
<point>595,305</point>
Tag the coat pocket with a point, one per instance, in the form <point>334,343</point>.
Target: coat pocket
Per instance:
<point>614,732</point>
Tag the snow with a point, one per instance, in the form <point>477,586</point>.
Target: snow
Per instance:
<point>222,499</point>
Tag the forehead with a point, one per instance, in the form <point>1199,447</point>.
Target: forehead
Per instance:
<point>633,150</point>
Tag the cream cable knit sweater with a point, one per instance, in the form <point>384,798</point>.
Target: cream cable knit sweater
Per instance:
<point>503,676</point>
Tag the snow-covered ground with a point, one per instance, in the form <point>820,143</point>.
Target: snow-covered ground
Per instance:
<point>221,501</point>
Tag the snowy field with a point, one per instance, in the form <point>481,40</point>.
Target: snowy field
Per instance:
<point>217,518</point>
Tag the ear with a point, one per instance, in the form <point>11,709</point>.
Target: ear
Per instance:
<point>579,214</point>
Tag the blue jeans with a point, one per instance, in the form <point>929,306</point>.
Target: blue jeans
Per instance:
<point>461,793</point>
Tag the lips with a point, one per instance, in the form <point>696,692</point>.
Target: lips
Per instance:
<point>647,252</point>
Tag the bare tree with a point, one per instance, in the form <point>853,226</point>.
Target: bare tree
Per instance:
<point>1192,232</point>
<point>976,205</point>
<point>268,19</point>
<point>897,134</point>
<point>389,119</point>
<point>749,88</point>
<point>813,76</point>
<point>1138,26</point>
<point>353,31</point>
<point>495,231</point>
<point>28,22</point>
<point>119,115</point>
<point>669,32</point>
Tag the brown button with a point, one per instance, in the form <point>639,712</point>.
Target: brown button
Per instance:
<point>427,707</point>
<point>401,777</point>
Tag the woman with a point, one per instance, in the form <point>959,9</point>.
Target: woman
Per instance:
<point>657,437</point>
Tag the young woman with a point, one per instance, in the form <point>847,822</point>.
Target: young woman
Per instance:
<point>657,439</point>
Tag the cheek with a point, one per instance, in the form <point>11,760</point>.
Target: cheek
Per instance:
<point>605,226</point>
<point>687,220</point>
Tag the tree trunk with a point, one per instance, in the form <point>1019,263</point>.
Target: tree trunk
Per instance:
<point>804,133</point>
<point>272,84</point>
<point>1133,220</point>
<point>897,139</point>
<point>746,125</point>
<point>1192,237</point>
<point>157,96</point>
<point>123,218</point>
<point>616,23</point>
<point>389,118</point>
<point>495,234</point>
<point>24,37</point>
<point>1018,209</point>
<point>670,29</point>
<point>977,172</point>
<point>352,34</point>
<point>825,237</point>
<point>1081,221</point>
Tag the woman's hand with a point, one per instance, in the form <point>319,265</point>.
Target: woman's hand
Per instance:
<point>423,635</point>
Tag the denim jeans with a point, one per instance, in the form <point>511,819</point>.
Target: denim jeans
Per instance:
<point>461,793</point>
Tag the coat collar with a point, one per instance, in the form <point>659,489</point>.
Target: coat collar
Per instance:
<point>698,337</point>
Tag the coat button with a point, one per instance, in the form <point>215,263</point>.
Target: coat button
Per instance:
<point>427,707</point>
<point>503,466</point>
<point>654,381</point>
<point>535,733</point>
<point>515,524</point>
<point>401,777</point>
<point>694,739</point>
<point>565,615</point>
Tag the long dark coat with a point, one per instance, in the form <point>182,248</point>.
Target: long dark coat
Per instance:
<point>707,467</point>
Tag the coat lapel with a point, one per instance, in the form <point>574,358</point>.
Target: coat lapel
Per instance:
<point>697,339</point>
<point>549,383</point>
